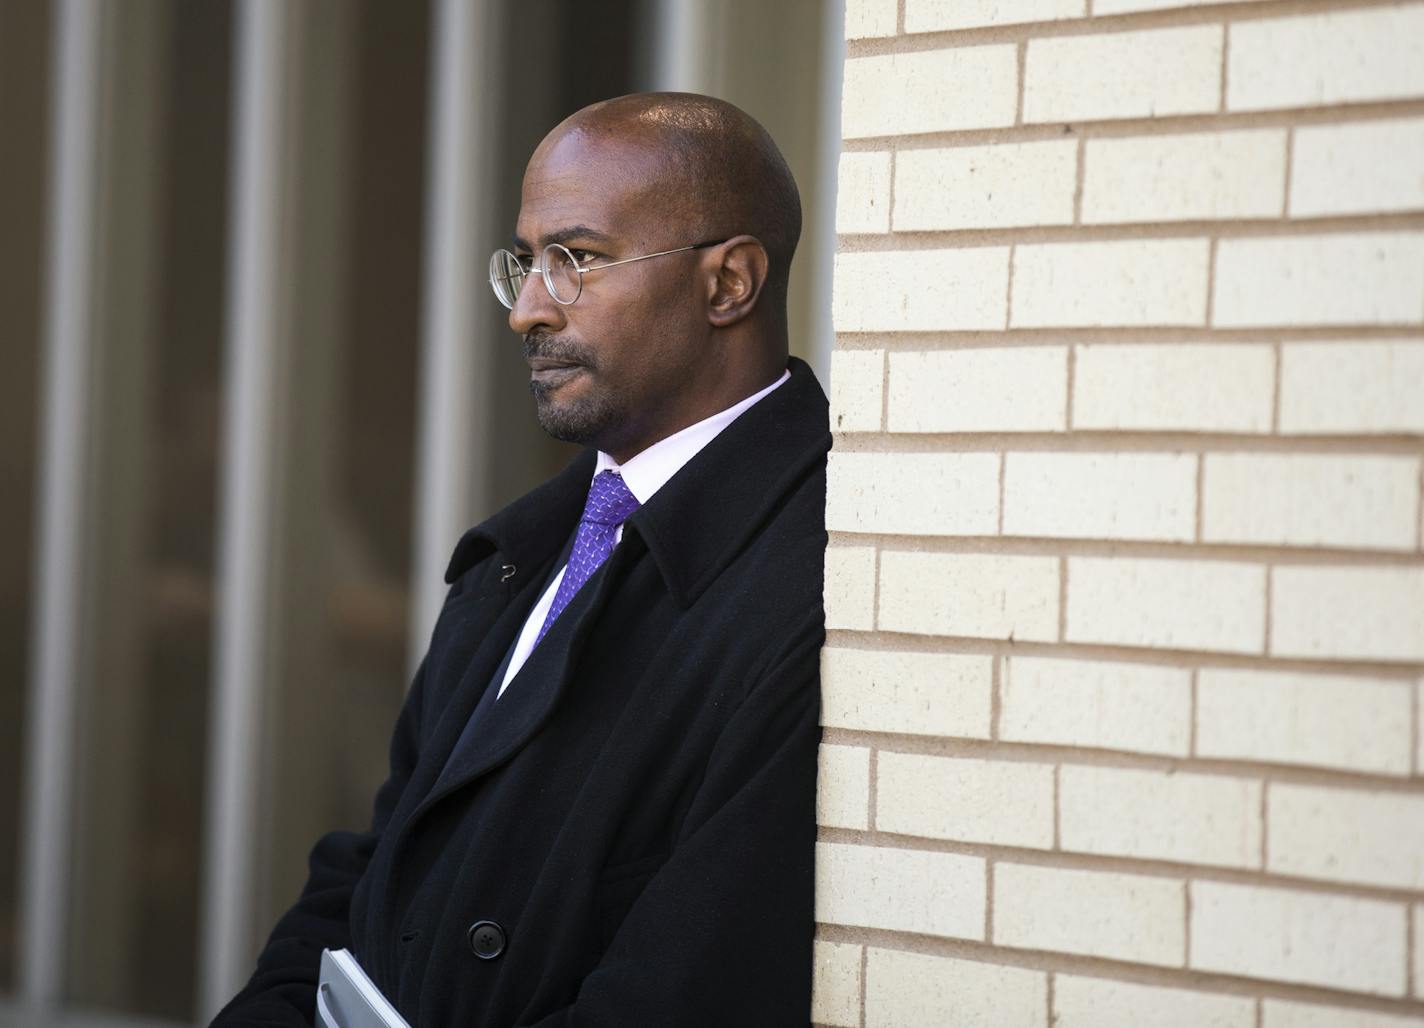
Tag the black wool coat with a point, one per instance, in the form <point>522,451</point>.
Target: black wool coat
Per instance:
<point>636,815</point>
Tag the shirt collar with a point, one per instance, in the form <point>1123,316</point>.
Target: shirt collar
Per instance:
<point>647,472</point>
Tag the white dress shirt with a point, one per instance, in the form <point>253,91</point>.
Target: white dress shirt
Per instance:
<point>644,475</point>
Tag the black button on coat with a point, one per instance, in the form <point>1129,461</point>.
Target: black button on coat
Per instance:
<point>636,815</point>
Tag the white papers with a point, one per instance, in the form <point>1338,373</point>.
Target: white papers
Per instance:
<point>347,998</point>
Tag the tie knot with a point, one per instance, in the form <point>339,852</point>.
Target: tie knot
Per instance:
<point>609,500</point>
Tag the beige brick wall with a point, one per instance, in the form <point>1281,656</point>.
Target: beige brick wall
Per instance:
<point>1124,679</point>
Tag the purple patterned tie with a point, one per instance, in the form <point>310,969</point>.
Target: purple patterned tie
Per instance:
<point>609,504</point>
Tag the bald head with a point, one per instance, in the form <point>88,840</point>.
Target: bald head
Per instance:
<point>716,170</point>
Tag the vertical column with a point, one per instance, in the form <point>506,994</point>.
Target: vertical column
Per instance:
<point>82,34</point>
<point>455,430</point>
<point>259,270</point>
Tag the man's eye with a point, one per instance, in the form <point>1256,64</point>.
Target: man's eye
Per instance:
<point>583,256</point>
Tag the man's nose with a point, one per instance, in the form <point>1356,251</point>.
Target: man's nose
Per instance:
<point>534,309</point>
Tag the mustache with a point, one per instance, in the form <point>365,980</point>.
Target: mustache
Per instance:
<point>557,348</point>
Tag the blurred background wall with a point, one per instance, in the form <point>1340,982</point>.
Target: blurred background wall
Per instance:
<point>254,388</point>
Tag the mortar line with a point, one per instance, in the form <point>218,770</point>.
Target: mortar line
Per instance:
<point>1162,124</point>
<point>900,18</point>
<point>996,237</point>
<point>1071,386</point>
<point>1097,24</point>
<point>1260,1003</point>
<point>1046,754</point>
<point>1052,976</point>
<point>1098,440</point>
<point>1046,961</point>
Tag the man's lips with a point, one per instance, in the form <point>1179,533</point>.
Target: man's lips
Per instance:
<point>549,372</point>
<point>550,364</point>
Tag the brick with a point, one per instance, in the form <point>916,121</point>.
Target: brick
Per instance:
<point>1357,169</point>
<point>1123,75</point>
<point>913,493</point>
<point>1160,815</point>
<point>905,989</point>
<point>1369,613</point>
<point>1127,282</point>
<point>921,290</point>
<point>1290,717</point>
<point>1315,60</point>
<point>1002,803</point>
<point>1208,176</point>
<point>900,890</point>
<point>1180,387</point>
<point>835,988</point>
<point>1092,913</point>
<point>1101,495</point>
<point>986,186</point>
<point>1350,500</point>
<point>863,193</point>
<point>857,390</point>
<point>1141,708</point>
<point>994,389</point>
<point>850,587</point>
<point>964,88</point>
<point>1277,1013</point>
<point>942,694</point>
<point>1170,604</point>
<point>1346,835</point>
<point>1101,1003</point>
<point>988,595</point>
<point>1352,387</point>
<point>1310,938</point>
<point>843,787</point>
<point>1357,279</point>
<point>868,18</point>
<point>944,15</point>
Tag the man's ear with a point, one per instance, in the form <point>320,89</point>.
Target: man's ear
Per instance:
<point>737,281</point>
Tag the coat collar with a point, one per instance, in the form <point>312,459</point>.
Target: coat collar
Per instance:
<point>695,524</point>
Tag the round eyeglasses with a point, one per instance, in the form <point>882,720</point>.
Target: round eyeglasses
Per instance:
<point>563,276</point>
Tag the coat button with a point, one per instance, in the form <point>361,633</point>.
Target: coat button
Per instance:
<point>486,940</point>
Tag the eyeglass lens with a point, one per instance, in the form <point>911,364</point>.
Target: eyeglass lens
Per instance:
<point>561,274</point>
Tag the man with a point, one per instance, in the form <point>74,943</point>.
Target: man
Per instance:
<point>600,809</point>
